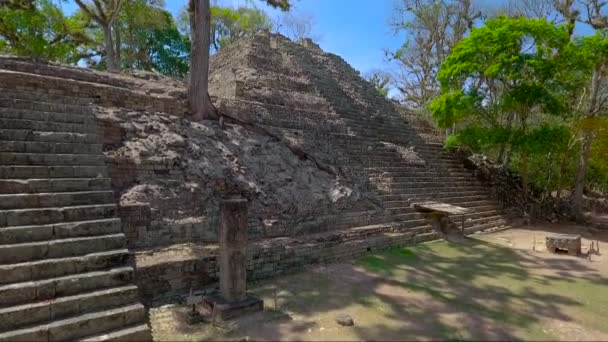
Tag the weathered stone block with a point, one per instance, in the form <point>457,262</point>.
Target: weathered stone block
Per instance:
<point>563,242</point>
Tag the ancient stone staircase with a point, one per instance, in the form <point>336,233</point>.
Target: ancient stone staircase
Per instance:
<point>313,87</point>
<point>64,266</point>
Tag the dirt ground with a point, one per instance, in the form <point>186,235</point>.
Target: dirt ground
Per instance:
<point>489,287</point>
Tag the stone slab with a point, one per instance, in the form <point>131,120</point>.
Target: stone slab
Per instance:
<point>430,206</point>
<point>219,309</point>
<point>566,242</point>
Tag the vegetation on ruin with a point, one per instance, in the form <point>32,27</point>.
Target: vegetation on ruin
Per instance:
<point>517,84</point>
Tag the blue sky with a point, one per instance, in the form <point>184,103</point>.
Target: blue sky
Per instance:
<point>357,30</point>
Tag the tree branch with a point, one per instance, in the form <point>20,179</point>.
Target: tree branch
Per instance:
<point>88,11</point>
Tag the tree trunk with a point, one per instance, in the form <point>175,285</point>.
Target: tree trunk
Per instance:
<point>524,173</point>
<point>118,45</point>
<point>110,57</point>
<point>200,23</point>
<point>579,185</point>
<point>503,155</point>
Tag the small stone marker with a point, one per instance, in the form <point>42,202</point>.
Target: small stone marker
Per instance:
<point>233,300</point>
<point>564,242</point>
<point>345,320</point>
<point>193,315</point>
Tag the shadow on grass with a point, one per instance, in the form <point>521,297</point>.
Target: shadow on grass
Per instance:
<point>473,290</point>
<point>493,289</point>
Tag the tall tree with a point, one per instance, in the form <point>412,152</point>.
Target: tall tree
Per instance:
<point>296,25</point>
<point>597,100</point>
<point>229,24</point>
<point>433,28</point>
<point>105,13</point>
<point>38,28</point>
<point>510,84</point>
<point>200,23</point>
<point>150,39</point>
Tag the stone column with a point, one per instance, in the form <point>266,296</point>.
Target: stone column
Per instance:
<point>233,243</point>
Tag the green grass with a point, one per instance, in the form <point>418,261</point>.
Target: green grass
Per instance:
<point>492,282</point>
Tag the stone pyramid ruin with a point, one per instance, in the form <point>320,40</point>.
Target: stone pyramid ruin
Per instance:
<point>108,194</point>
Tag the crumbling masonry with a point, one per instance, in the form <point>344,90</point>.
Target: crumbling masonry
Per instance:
<point>92,164</point>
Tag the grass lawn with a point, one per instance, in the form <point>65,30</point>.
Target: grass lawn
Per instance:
<point>481,289</point>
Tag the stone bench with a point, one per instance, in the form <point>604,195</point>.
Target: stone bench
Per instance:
<point>564,242</point>
<point>438,214</point>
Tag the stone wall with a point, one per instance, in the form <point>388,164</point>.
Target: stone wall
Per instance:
<point>174,272</point>
<point>98,93</point>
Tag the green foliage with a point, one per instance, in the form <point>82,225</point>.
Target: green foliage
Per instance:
<point>169,51</point>
<point>151,40</point>
<point>513,86</point>
<point>38,28</point>
<point>147,38</point>
<point>228,24</point>
<point>380,80</point>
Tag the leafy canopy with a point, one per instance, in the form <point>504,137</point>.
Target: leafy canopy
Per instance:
<point>38,28</point>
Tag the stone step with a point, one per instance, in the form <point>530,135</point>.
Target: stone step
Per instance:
<point>46,136</point>
<point>404,166</point>
<point>396,210</point>
<point>14,158</point>
<point>469,202</point>
<point>15,317</point>
<point>495,220</point>
<point>47,126</point>
<point>63,230</point>
<point>435,190</point>
<point>414,179</point>
<point>41,290</point>
<point>477,214</point>
<point>80,326</point>
<point>35,216</point>
<point>60,199</point>
<point>487,227</point>
<point>60,248</point>
<point>51,171</point>
<point>43,97</point>
<point>413,184</point>
<point>408,173</point>
<point>20,186</point>
<point>403,223</point>
<point>45,147</point>
<point>23,114</point>
<point>44,106</point>
<point>134,333</point>
<point>438,198</point>
<point>53,268</point>
<point>435,196</point>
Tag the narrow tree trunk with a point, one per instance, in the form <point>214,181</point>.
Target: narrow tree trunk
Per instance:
<point>200,23</point>
<point>579,185</point>
<point>118,46</point>
<point>524,173</point>
<point>503,157</point>
<point>110,57</point>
